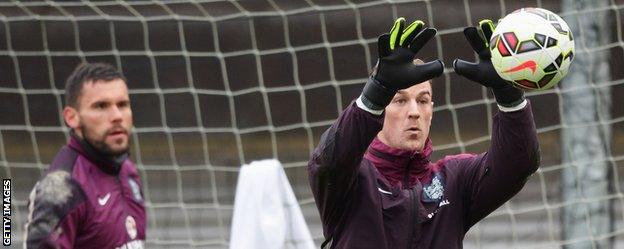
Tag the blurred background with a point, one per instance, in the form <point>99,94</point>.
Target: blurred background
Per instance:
<point>217,84</point>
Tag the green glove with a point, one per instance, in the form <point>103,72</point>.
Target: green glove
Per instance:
<point>483,72</point>
<point>395,69</point>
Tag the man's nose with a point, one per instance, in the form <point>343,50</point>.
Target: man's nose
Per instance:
<point>116,114</point>
<point>413,111</point>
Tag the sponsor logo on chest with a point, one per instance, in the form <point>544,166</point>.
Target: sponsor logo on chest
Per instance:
<point>104,199</point>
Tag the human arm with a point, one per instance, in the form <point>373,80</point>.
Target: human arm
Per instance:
<point>497,175</point>
<point>490,179</point>
<point>56,208</point>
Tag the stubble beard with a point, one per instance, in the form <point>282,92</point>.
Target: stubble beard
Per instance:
<point>100,143</point>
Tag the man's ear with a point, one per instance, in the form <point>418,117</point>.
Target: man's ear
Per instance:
<point>432,104</point>
<point>71,117</point>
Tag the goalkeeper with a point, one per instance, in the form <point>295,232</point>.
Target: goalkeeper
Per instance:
<point>90,196</point>
<point>371,176</point>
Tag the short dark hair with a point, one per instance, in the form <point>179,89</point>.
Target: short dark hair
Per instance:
<point>88,72</point>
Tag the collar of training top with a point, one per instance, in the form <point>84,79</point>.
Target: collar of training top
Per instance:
<point>399,165</point>
<point>110,165</point>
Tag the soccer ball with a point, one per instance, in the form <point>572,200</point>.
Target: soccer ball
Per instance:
<point>533,48</point>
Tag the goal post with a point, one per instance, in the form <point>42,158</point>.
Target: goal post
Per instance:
<point>587,218</point>
<point>217,84</point>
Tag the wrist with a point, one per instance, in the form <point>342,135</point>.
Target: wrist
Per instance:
<point>376,96</point>
<point>508,96</point>
<point>513,108</point>
<point>359,102</point>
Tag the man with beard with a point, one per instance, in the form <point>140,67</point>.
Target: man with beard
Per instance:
<point>90,196</point>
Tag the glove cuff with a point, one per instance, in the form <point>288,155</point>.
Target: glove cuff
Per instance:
<point>508,96</point>
<point>375,96</point>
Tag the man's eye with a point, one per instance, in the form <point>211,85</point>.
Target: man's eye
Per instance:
<point>400,101</point>
<point>123,104</point>
<point>100,106</point>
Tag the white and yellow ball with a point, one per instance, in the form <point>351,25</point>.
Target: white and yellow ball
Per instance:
<point>533,48</point>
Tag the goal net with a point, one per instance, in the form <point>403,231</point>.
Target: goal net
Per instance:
<point>217,84</point>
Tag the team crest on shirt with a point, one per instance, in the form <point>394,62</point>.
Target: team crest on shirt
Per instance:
<point>136,192</point>
<point>131,227</point>
<point>435,190</point>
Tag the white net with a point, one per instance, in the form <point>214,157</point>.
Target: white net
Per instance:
<point>216,84</point>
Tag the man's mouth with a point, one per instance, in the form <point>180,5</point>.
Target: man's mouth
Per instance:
<point>413,129</point>
<point>117,132</point>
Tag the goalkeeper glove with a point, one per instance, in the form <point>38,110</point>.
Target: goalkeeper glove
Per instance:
<point>483,72</point>
<point>395,69</point>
